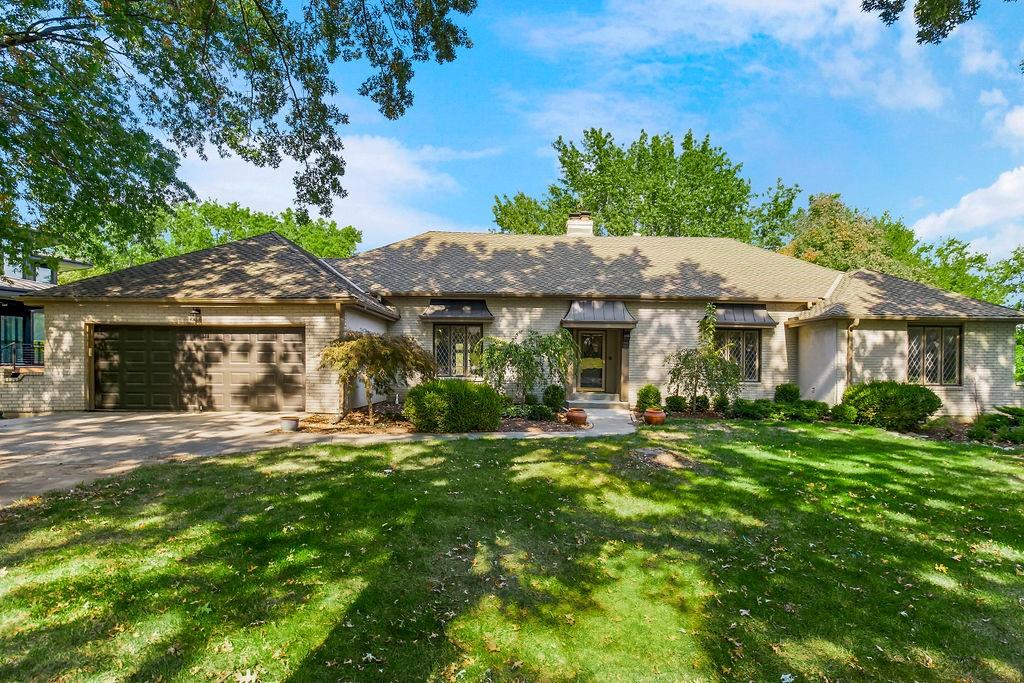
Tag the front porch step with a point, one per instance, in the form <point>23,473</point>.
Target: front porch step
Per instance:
<point>594,401</point>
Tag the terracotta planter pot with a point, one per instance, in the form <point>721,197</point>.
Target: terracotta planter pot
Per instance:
<point>654,416</point>
<point>576,416</point>
<point>289,424</point>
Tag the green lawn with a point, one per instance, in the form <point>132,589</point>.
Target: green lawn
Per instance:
<point>805,550</point>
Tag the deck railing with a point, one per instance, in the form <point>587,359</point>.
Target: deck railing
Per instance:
<point>22,353</point>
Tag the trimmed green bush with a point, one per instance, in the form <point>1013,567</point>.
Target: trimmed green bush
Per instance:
<point>760,409</point>
<point>675,404</point>
<point>1001,426</point>
<point>453,405</point>
<point>541,412</point>
<point>701,404</point>
<point>843,412</point>
<point>649,396</point>
<point>529,411</point>
<point>787,393</point>
<point>892,405</point>
<point>554,397</point>
<point>721,404</point>
<point>530,400</point>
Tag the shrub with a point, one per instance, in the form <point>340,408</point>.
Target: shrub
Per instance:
<point>991,427</point>
<point>649,396</point>
<point>843,412</point>
<point>530,400</point>
<point>721,404</point>
<point>541,412</point>
<point>787,393</point>
<point>701,404</point>
<point>675,404</point>
<point>808,411</point>
<point>943,426</point>
<point>554,397</point>
<point>520,365</point>
<point>892,405</point>
<point>751,410</point>
<point>453,405</point>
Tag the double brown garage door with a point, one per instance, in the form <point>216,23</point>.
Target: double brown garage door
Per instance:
<point>192,368</point>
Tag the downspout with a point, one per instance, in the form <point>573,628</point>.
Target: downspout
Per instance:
<point>849,350</point>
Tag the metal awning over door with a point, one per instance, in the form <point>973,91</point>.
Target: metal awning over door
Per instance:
<point>598,313</point>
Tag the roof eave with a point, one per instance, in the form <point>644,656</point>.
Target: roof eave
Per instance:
<point>1019,319</point>
<point>802,300</point>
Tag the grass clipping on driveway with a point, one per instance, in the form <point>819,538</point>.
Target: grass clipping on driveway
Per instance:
<point>777,551</point>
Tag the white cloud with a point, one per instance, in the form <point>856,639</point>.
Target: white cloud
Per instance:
<point>570,112</point>
<point>1013,123</point>
<point>993,98</point>
<point>994,209</point>
<point>834,35</point>
<point>1002,242</point>
<point>976,54</point>
<point>384,179</point>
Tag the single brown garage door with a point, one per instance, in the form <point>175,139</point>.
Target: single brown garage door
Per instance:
<point>190,368</point>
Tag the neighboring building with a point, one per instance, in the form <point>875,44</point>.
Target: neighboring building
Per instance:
<point>23,327</point>
<point>241,326</point>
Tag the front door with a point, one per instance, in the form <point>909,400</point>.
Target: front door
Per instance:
<point>591,373</point>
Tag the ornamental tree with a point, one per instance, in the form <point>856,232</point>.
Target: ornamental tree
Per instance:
<point>379,361</point>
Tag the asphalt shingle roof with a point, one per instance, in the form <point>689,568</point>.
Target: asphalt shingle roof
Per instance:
<point>451,263</point>
<point>266,266</point>
<point>870,294</point>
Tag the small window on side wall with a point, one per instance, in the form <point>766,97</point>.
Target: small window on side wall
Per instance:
<point>453,346</point>
<point>934,355</point>
<point>743,347</point>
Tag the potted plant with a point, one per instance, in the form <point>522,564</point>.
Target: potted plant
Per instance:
<point>576,416</point>
<point>654,415</point>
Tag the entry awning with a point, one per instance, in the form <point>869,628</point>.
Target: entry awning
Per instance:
<point>598,313</point>
<point>457,310</point>
<point>743,315</point>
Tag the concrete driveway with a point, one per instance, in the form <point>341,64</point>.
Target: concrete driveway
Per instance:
<point>38,454</point>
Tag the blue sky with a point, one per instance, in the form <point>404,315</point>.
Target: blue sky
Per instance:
<point>813,91</point>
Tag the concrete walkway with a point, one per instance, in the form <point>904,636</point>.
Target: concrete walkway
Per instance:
<point>48,452</point>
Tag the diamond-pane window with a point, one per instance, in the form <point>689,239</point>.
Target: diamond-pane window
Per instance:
<point>453,349</point>
<point>742,347</point>
<point>933,355</point>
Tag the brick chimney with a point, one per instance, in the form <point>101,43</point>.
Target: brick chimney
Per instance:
<point>580,224</point>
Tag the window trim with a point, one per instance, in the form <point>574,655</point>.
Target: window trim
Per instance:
<point>742,332</point>
<point>920,379</point>
<point>470,372</point>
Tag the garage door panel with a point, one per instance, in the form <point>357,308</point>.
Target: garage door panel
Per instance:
<point>174,368</point>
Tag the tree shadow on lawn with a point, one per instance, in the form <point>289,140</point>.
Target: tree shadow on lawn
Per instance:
<point>530,561</point>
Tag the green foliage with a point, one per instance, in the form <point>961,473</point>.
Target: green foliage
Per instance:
<point>701,404</point>
<point>787,393</point>
<point>800,411</point>
<point>193,226</point>
<point>649,396</point>
<point>652,186</point>
<point>760,409</point>
<point>530,411</point>
<point>892,405</point>
<point>1005,425</point>
<point>100,99</point>
<point>843,412</point>
<point>675,404</point>
<point>453,405</point>
<point>704,368</point>
<point>554,396</point>
<point>524,364</point>
<point>379,361</point>
<point>721,404</point>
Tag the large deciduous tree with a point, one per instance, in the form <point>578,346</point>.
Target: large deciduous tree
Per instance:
<point>100,97</point>
<point>653,186</point>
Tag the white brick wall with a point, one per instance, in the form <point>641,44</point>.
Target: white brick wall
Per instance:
<point>664,327</point>
<point>880,352</point>
<point>62,384</point>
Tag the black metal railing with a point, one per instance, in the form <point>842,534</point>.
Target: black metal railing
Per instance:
<point>22,353</point>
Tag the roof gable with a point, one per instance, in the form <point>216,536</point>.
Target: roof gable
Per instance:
<point>871,294</point>
<point>263,267</point>
<point>460,263</point>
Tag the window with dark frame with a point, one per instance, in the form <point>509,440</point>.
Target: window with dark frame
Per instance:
<point>743,347</point>
<point>453,346</point>
<point>934,355</point>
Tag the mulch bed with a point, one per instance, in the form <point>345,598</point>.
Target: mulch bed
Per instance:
<point>388,419</point>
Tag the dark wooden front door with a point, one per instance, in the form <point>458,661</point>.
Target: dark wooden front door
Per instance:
<point>190,368</point>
